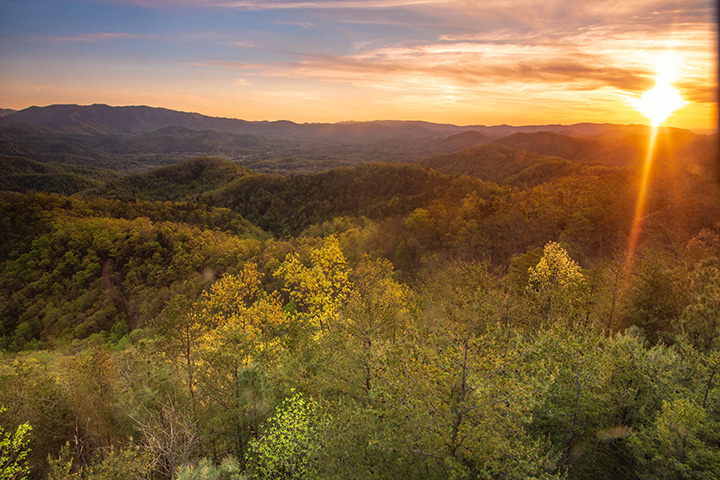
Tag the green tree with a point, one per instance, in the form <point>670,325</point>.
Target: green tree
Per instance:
<point>682,443</point>
<point>700,320</point>
<point>129,462</point>
<point>457,404</point>
<point>14,450</point>
<point>656,296</point>
<point>183,328</point>
<point>228,469</point>
<point>32,394</point>
<point>291,445</point>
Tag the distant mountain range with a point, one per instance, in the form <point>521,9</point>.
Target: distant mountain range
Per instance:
<point>136,120</point>
<point>69,148</point>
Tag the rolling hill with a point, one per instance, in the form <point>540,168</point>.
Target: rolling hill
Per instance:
<point>461,141</point>
<point>22,175</point>
<point>502,164</point>
<point>185,180</point>
<point>134,139</point>
<point>285,204</point>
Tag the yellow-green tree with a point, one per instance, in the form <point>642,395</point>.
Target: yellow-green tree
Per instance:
<point>375,315</point>
<point>243,319</point>
<point>14,449</point>
<point>291,445</point>
<point>320,289</point>
<point>242,341</point>
<point>556,285</point>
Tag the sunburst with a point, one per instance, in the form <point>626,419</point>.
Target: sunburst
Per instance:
<point>658,103</point>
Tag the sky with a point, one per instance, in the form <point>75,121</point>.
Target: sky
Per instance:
<point>465,62</point>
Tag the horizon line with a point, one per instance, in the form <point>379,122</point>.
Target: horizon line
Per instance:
<point>715,129</point>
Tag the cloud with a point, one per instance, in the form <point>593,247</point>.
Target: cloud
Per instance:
<point>469,64</point>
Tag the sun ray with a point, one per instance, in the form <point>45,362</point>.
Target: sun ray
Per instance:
<point>657,104</point>
<point>640,206</point>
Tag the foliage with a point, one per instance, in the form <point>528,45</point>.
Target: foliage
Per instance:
<point>439,326</point>
<point>321,288</point>
<point>229,469</point>
<point>184,180</point>
<point>285,205</point>
<point>291,446</point>
<point>14,451</point>
<point>556,285</point>
<point>657,296</point>
<point>700,320</point>
<point>129,462</point>
<point>504,165</point>
<point>89,275</point>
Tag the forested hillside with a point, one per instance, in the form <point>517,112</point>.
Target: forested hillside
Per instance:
<point>472,314</point>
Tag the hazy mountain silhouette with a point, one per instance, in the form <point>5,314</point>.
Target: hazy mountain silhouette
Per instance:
<point>134,120</point>
<point>461,141</point>
<point>131,139</point>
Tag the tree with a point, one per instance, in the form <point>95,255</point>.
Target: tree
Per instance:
<point>32,395</point>
<point>457,404</point>
<point>556,285</point>
<point>376,313</point>
<point>319,290</point>
<point>229,469</point>
<point>291,445</point>
<point>183,328</point>
<point>14,450</point>
<point>701,319</point>
<point>169,434</point>
<point>130,462</point>
<point>656,296</point>
<point>243,341</point>
<point>682,443</point>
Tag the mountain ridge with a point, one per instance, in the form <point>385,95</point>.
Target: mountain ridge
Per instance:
<point>138,119</point>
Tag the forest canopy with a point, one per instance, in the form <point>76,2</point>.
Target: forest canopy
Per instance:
<point>472,314</point>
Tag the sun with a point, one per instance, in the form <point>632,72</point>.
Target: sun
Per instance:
<point>658,103</point>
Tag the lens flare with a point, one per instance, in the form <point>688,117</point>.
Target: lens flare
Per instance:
<point>659,103</point>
